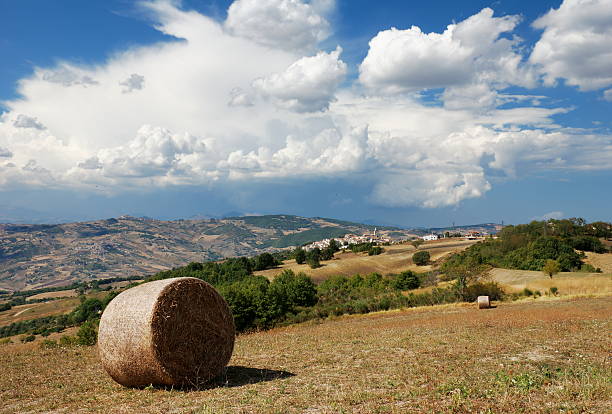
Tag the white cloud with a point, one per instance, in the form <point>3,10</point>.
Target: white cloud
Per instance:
<point>66,75</point>
<point>556,215</point>
<point>575,45</point>
<point>134,82</point>
<point>470,52</point>
<point>291,25</point>
<point>222,107</point>
<point>607,95</point>
<point>24,121</point>
<point>308,85</point>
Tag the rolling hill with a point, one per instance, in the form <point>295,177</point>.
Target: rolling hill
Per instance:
<point>44,255</point>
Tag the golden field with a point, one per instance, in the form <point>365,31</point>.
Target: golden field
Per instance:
<point>548,355</point>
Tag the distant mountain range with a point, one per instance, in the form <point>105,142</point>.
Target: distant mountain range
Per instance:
<point>43,255</point>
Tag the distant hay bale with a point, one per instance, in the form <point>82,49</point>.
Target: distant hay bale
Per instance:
<point>168,332</point>
<point>483,302</point>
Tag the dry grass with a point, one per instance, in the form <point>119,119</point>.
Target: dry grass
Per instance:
<point>39,310</point>
<point>601,260</point>
<point>51,295</point>
<point>568,283</point>
<point>395,259</point>
<point>533,357</point>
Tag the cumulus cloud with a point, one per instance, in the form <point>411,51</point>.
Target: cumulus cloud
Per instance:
<point>24,121</point>
<point>67,76</point>
<point>291,25</point>
<point>575,44</point>
<point>308,85</point>
<point>470,52</point>
<point>4,153</point>
<point>134,82</point>
<point>206,116</point>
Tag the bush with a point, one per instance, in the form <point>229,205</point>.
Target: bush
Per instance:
<point>312,258</point>
<point>299,255</point>
<point>588,244</point>
<point>264,261</point>
<point>88,333</point>
<point>27,338</point>
<point>5,307</point>
<point>48,344</point>
<point>406,281</point>
<point>67,340</point>
<point>490,289</point>
<point>5,341</point>
<point>327,254</point>
<point>421,258</point>
<point>375,251</point>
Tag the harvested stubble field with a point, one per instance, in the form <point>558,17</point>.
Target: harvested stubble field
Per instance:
<point>538,356</point>
<point>567,283</point>
<point>395,259</point>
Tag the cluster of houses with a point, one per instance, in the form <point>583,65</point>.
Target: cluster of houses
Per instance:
<point>348,240</point>
<point>469,235</point>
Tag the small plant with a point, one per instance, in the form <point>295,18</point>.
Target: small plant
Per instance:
<point>554,291</point>
<point>375,251</point>
<point>48,344</point>
<point>421,258</point>
<point>5,341</point>
<point>67,340</point>
<point>88,333</point>
<point>551,268</point>
<point>27,338</point>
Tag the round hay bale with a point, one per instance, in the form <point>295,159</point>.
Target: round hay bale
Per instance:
<point>168,332</point>
<point>483,302</point>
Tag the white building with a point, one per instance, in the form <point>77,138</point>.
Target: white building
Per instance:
<point>430,237</point>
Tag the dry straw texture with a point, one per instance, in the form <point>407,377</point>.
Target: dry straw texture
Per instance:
<point>174,332</point>
<point>483,302</point>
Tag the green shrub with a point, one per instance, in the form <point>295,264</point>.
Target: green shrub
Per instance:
<point>67,340</point>
<point>5,341</point>
<point>48,344</point>
<point>88,333</point>
<point>375,251</point>
<point>299,255</point>
<point>491,289</point>
<point>421,258</point>
<point>406,281</point>
<point>27,338</point>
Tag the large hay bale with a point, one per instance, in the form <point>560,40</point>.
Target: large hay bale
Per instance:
<point>167,332</point>
<point>483,302</point>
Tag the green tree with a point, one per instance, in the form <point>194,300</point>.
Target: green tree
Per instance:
<point>406,280</point>
<point>416,243</point>
<point>88,333</point>
<point>313,258</point>
<point>264,261</point>
<point>334,246</point>
<point>551,267</point>
<point>299,255</point>
<point>421,258</point>
<point>327,254</point>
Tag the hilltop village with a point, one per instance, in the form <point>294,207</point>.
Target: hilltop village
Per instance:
<point>378,239</point>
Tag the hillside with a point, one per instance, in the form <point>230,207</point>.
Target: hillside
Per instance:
<point>34,256</point>
<point>543,356</point>
<point>394,259</point>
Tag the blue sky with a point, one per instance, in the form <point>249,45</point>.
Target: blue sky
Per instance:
<point>466,112</point>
